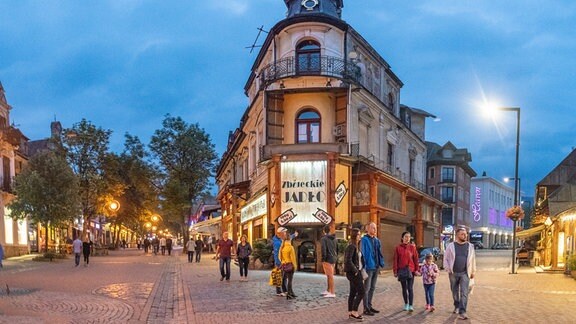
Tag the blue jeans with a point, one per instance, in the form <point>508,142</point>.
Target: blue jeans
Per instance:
<point>77,259</point>
<point>225,267</point>
<point>369,287</point>
<point>429,292</point>
<point>459,284</point>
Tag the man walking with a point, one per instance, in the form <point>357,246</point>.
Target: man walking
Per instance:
<point>328,244</point>
<point>199,247</point>
<point>224,251</point>
<point>163,245</point>
<point>190,248</point>
<point>374,260</point>
<point>460,262</point>
<point>77,249</point>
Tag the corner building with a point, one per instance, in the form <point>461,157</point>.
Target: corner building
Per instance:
<point>325,140</point>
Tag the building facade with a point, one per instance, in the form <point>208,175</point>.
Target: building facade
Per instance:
<point>448,179</point>
<point>13,150</point>
<point>489,200</point>
<point>325,141</point>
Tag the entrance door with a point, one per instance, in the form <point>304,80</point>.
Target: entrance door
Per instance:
<point>307,256</point>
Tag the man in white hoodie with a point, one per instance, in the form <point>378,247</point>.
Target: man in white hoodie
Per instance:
<point>460,262</point>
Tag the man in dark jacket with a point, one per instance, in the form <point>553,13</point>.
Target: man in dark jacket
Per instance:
<point>329,257</point>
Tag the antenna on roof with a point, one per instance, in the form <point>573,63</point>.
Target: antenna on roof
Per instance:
<point>260,31</point>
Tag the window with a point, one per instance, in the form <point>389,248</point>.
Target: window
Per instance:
<point>431,173</point>
<point>447,216</point>
<point>308,57</point>
<point>390,155</point>
<point>391,101</point>
<point>447,174</point>
<point>447,194</point>
<point>308,127</point>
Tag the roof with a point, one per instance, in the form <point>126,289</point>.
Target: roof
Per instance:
<point>460,157</point>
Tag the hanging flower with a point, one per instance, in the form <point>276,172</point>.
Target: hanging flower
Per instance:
<point>515,213</point>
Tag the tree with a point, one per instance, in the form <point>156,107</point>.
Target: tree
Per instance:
<point>187,159</point>
<point>86,148</point>
<point>46,192</point>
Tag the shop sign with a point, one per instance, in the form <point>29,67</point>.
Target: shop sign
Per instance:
<point>340,193</point>
<point>254,209</point>
<point>286,217</point>
<point>448,229</point>
<point>323,216</point>
<point>476,206</point>
<point>303,188</point>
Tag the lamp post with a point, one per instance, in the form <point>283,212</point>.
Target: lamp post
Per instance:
<point>516,180</point>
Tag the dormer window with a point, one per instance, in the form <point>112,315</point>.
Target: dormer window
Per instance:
<point>308,57</point>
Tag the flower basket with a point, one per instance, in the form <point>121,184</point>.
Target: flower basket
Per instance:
<point>515,213</point>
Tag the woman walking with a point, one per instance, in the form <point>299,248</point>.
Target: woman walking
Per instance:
<point>353,268</point>
<point>244,250</point>
<point>86,248</point>
<point>288,261</point>
<point>405,268</point>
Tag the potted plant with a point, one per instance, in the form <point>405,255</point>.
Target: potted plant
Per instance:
<point>571,264</point>
<point>262,252</point>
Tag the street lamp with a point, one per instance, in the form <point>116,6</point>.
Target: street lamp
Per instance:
<point>516,179</point>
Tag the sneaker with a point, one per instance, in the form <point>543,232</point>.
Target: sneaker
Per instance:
<point>221,279</point>
<point>406,307</point>
<point>368,312</point>
<point>325,292</point>
<point>432,308</point>
<point>329,295</point>
<point>410,308</point>
<point>375,311</point>
<point>427,307</point>
<point>281,294</point>
<point>463,316</point>
<point>455,310</point>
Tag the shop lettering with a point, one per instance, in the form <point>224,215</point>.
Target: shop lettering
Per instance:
<point>302,196</point>
<point>476,206</point>
<point>302,184</point>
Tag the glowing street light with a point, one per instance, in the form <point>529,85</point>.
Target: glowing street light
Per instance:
<point>114,206</point>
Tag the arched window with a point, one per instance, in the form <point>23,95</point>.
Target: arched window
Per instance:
<point>308,127</point>
<point>308,57</point>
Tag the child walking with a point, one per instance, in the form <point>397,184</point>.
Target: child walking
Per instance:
<point>429,272</point>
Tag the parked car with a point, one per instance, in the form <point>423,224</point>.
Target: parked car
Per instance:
<point>478,245</point>
<point>438,256</point>
<point>500,246</point>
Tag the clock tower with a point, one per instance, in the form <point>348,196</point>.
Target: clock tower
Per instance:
<point>323,7</point>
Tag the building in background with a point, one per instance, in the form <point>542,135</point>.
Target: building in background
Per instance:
<point>489,200</point>
<point>325,140</point>
<point>448,179</point>
<point>14,234</point>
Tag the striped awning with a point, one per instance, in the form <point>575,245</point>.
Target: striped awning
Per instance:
<point>530,232</point>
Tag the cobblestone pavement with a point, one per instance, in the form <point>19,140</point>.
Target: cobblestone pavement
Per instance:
<point>130,287</point>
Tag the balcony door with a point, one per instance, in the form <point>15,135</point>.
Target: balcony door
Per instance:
<point>308,57</point>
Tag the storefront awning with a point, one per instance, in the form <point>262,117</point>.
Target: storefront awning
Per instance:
<point>530,232</point>
<point>205,226</point>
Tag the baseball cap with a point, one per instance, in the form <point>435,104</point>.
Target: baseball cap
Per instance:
<point>281,229</point>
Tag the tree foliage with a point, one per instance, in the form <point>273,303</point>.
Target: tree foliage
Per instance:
<point>186,158</point>
<point>46,191</point>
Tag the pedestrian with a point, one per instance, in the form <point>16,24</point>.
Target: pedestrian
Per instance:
<point>199,248</point>
<point>460,262</point>
<point>224,252</point>
<point>429,271</point>
<point>373,261</point>
<point>353,269</point>
<point>169,245</point>
<point>163,245</point>
<point>155,245</point>
<point>77,249</point>
<point>213,242</point>
<point>288,264</point>
<point>405,268</point>
<point>276,244</point>
<point>244,251</point>
<point>124,245</point>
<point>146,245</point>
<point>329,248</point>
<point>190,248</point>
<point>1,255</point>
<point>86,249</point>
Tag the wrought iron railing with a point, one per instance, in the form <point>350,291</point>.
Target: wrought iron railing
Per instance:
<point>329,66</point>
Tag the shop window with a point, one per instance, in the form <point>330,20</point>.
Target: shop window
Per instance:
<point>308,127</point>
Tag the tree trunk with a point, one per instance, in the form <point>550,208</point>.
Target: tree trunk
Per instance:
<point>46,239</point>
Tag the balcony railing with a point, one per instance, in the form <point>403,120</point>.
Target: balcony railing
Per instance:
<point>328,66</point>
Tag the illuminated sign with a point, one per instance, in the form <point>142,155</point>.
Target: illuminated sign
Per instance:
<point>254,209</point>
<point>340,193</point>
<point>303,189</point>
<point>476,206</point>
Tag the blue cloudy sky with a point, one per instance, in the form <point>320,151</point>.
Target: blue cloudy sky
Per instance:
<point>125,64</point>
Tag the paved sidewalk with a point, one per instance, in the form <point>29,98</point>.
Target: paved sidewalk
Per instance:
<point>130,287</point>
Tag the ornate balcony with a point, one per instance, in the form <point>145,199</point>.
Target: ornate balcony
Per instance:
<point>328,66</point>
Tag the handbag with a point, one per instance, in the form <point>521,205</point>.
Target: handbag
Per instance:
<point>288,267</point>
<point>404,273</point>
<point>275,277</point>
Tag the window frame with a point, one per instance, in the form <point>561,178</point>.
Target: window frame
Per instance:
<point>308,122</point>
